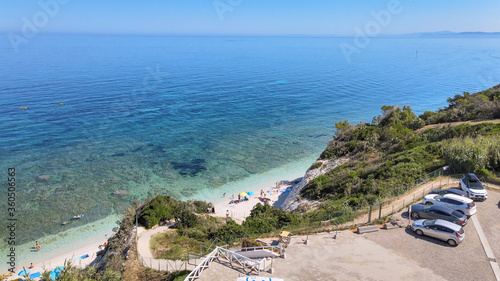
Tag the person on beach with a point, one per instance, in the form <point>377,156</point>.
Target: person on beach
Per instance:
<point>262,193</point>
<point>224,195</point>
<point>227,214</point>
<point>31,266</point>
<point>37,246</point>
<point>239,198</point>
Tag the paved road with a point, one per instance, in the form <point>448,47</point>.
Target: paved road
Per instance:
<point>467,261</point>
<point>348,257</point>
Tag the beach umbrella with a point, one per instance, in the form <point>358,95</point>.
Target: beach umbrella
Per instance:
<point>251,193</point>
<point>243,194</point>
<point>270,192</point>
<point>52,276</point>
<point>23,272</point>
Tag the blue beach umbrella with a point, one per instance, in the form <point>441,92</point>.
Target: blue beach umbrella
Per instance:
<point>23,272</point>
<point>251,193</point>
<point>59,268</point>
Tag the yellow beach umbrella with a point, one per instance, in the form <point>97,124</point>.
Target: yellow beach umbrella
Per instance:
<point>243,194</point>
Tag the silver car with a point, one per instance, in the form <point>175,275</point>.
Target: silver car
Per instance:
<point>462,204</point>
<point>440,229</point>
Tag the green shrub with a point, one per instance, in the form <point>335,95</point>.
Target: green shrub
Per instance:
<point>316,165</point>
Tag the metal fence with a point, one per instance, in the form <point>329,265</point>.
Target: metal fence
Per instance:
<point>397,199</point>
<point>169,265</point>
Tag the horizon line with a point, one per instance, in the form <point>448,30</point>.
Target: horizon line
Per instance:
<point>435,33</point>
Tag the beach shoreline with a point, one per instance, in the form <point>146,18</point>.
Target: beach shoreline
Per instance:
<point>64,250</point>
<point>55,249</point>
<point>240,210</point>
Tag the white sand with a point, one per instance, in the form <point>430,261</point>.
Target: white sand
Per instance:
<point>240,211</point>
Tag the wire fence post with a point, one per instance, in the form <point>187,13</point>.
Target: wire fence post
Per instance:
<point>380,211</point>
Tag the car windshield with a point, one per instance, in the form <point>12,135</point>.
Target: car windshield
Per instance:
<point>456,214</point>
<point>476,185</point>
<point>429,222</point>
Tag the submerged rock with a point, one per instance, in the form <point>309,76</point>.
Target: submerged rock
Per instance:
<point>121,193</point>
<point>43,178</point>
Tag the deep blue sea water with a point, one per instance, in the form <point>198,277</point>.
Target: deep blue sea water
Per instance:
<point>188,116</point>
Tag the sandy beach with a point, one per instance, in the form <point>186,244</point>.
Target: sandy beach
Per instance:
<point>241,210</point>
<point>56,249</point>
<point>75,256</point>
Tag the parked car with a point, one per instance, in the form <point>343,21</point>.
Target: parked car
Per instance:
<point>420,211</point>
<point>443,230</point>
<point>449,191</point>
<point>474,188</point>
<point>459,203</point>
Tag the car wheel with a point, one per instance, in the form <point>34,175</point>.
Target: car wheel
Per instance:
<point>415,216</point>
<point>428,203</point>
<point>419,232</point>
<point>452,242</point>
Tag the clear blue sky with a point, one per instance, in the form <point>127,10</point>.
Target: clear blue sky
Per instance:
<point>250,17</point>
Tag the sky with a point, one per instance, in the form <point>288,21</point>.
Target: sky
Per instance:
<point>248,17</point>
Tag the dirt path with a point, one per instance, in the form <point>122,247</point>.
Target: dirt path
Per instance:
<point>146,257</point>
<point>441,125</point>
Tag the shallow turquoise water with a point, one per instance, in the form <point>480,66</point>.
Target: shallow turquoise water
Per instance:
<point>188,116</point>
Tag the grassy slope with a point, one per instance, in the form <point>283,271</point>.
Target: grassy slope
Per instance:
<point>394,150</point>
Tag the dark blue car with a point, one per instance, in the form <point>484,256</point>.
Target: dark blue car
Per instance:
<point>420,211</point>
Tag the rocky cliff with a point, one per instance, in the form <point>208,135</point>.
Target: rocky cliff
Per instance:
<point>320,167</point>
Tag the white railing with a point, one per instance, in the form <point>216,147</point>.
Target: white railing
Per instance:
<point>247,264</point>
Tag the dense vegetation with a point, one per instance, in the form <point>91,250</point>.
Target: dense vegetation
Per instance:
<point>163,208</point>
<point>207,229</point>
<point>391,152</point>
<point>482,105</point>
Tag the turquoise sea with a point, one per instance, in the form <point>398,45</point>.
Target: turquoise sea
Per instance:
<point>195,117</point>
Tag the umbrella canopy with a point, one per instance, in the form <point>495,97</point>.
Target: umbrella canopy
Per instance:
<point>59,268</point>
<point>23,272</point>
<point>270,192</point>
<point>243,194</point>
<point>251,193</point>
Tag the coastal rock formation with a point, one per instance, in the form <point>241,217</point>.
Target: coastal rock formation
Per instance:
<point>320,167</point>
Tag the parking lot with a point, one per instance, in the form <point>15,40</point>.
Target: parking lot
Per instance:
<point>467,261</point>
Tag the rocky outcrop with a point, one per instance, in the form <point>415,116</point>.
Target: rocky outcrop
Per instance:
<point>320,167</point>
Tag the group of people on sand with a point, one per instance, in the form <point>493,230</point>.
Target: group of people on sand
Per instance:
<point>211,209</point>
<point>244,198</point>
<point>275,189</point>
